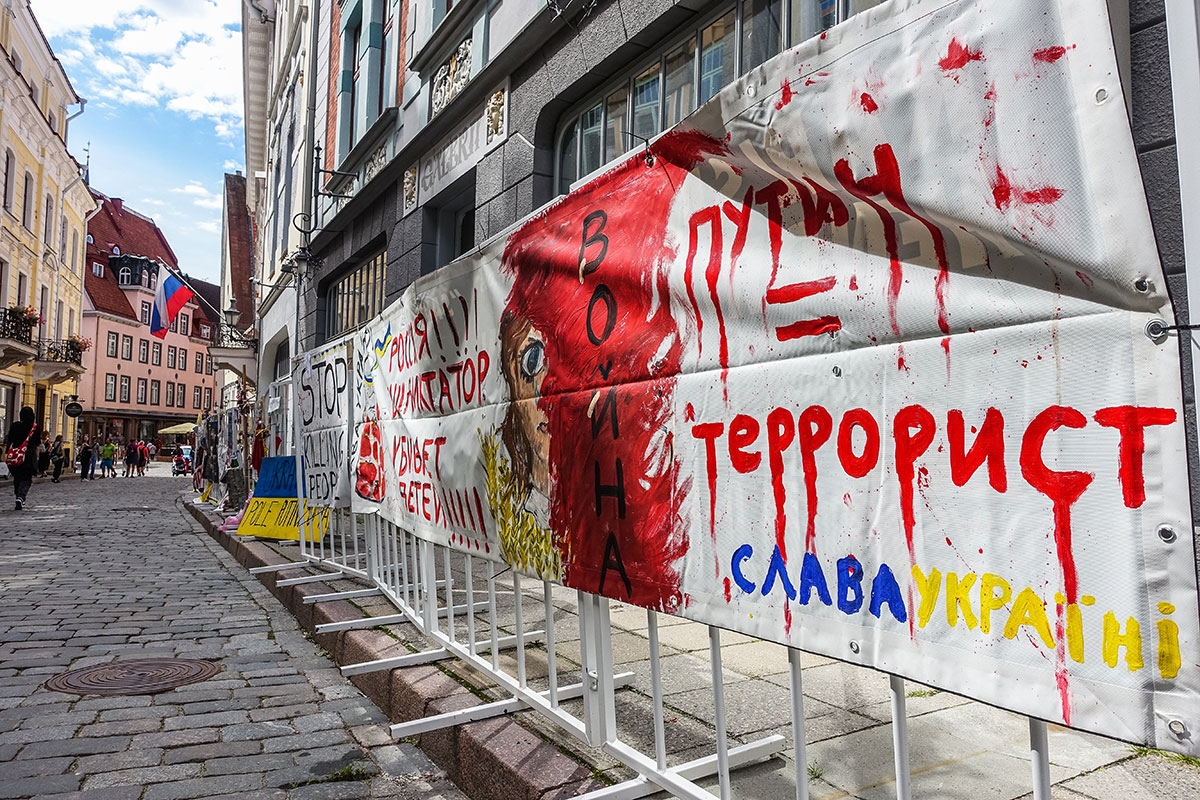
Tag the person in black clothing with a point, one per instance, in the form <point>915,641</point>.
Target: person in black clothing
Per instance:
<point>85,458</point>
<point>56,457</point>
<point>24,429</point>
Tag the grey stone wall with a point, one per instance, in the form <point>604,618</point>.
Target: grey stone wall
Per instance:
<point>1152,117</point>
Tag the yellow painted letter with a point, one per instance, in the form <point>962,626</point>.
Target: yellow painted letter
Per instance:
<point>1028,609</point>
<point>928,589</point>
<point>958,594</point>
<point>989,601</point>
<point>1131,640</point>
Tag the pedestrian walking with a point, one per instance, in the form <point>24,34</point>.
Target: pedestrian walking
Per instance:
<point>130,458</point>
<point>108,455</point>
<point>143,458</point>
<point>85,458</point>
<point>56,457</point>
<point>43,458</point>
<point>21,453</point>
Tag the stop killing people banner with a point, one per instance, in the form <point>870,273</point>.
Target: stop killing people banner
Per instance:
<point>854,359</point>
<point>324,395</point>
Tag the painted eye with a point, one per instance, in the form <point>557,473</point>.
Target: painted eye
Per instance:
<point>533,360</point>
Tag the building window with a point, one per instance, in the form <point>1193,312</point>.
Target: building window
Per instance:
<point>48,221</point>
<point>110,388</point>
<point>181,395</point>
<point>10,183</point>
<point>184,324</point>
<point>125,276</point>
<point>183,358</point>
<point>112,345</point>
<point>199,362</point>
<point>196,395</point>
<point>27,203</point>
<point>97,269</point>
<point>156,354</point>
<point>207,397</point>
<point>143,350</point>
<point>146,312</point>
<point>175,325</point>
<point>172,354</point>
<point>124,388</point>
<point>208,367</point>
<point>205,330</point>
<point>155,389</point>
<point>141,391</point>
<point>127,348</point>
<point>170,393</point>
<point>687,72</point>
<point>74,251</point>
<point>356,296</point>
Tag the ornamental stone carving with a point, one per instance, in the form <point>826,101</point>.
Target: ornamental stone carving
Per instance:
<point>451,77</point>
<point>410,189</point>
<point>495,116</point>
<point>375,162</point>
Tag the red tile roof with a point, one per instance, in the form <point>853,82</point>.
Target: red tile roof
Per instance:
<point>116,226</point>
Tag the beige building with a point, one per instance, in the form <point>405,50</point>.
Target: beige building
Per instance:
<point>44,204</point>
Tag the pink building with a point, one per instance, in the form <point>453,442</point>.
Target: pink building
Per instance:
<point>135,383</point>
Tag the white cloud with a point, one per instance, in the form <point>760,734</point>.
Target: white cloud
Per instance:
<point>182,55</point>
<point>208,226</point>
<point>231,165</point>
<point>201,196</point>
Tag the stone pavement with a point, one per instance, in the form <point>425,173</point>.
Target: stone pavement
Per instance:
<point>114,569</point>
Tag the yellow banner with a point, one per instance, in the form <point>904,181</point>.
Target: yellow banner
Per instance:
<point>276,518</point>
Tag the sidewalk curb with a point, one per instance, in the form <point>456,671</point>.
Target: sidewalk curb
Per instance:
<point>494,759</point>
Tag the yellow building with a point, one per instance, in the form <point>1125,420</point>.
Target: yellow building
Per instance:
<point>44,204</point>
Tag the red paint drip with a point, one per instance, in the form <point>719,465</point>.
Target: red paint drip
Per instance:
<point>1085,279</point>
<point>808,327</point>
<point>886,181</point>
<point>787,617</point>
<point>946,350</point>
<point>785,95</point>
<point>990,97</point>
<point>958,56</point>
<point>1061,678</point>
<point>868,103</point>
<point>854,283</point>
<point>728,591</point>
<point>1004,193</point>
<point>1051,54</point>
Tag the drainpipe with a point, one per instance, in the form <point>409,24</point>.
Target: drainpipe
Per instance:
<point>67,121</point>
<point>263,15</point>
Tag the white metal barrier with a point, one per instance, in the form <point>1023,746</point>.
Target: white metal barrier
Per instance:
<point>475,610</point>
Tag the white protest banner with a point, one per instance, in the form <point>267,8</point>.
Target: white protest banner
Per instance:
<point>324,395</point>
<point>854,359</point>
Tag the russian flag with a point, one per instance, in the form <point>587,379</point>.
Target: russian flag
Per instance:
<point>172,296</point>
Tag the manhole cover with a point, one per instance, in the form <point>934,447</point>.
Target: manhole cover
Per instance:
<point>141,676</point>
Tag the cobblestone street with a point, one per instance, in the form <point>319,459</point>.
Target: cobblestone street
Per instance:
<point>115,569</point>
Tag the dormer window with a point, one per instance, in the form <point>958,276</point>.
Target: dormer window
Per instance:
<point>116,250</point>
<point>97,269</point>
<point>125,276</point>
<point>90,240</point>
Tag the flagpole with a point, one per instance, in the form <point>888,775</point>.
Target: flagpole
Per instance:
<point>195,292</point>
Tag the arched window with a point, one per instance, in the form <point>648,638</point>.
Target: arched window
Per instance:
<point>124,276</point>
<point>116,250</point>
<point>89,239</point>
<point>74,251</point>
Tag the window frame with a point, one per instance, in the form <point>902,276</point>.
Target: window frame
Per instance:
<point>110,387</point>
<point>784,18</point>
<point>126,347</point>
<point>156,353</point>
<point>142,387</point>
<point>125,389</point>
<point>143,351</point>
<point>155,392</point>
<point>112,344</point>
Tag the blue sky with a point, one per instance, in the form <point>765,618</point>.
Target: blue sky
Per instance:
<point>163,81</point>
